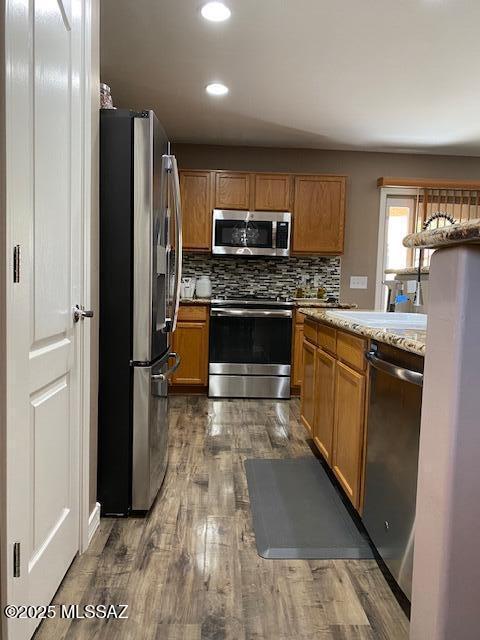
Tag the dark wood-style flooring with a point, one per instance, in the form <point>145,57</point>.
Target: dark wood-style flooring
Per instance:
<point>190,570</point>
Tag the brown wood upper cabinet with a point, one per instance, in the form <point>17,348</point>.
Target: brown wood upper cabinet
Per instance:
<point>317,203</point>
<point>196,188</point>
<point>318,214</point>
<point>232,190</point>
<point>273,192</point>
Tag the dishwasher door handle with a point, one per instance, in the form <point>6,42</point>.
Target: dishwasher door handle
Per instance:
<point>394,370</point>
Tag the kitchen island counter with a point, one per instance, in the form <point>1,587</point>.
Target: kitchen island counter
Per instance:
<point>411,340</point>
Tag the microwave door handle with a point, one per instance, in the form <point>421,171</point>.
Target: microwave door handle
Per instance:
<point>173,172</point>
<point>274,234</point>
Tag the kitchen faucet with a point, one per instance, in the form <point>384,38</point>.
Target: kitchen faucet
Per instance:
<point>418,300</point>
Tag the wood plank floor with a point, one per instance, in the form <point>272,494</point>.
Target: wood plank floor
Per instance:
<point>190,570</point>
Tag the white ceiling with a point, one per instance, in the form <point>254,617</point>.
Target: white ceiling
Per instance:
<point>380,75</point>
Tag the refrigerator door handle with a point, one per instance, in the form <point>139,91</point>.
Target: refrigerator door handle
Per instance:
<point>171,323</point>
<point>161,377</point>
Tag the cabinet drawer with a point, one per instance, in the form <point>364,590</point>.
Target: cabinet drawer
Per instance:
<point>310,328</point>
<point>327,338</point>
<point>351,349</point>
<point>191,313</point>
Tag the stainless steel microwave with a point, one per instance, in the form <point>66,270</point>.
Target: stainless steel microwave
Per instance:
<point>251,233</point>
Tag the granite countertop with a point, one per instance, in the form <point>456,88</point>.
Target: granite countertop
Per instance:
<point>461,233</point>
<point>191,301</point>
<point>322,304</point>
<point>412,340</point>
<point>409,271</point>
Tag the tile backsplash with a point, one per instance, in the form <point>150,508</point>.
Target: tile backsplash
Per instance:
<point>263,276</point>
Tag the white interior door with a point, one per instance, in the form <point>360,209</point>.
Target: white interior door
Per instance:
<point>44,203</point>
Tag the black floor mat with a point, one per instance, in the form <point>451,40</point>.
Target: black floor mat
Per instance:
<point>298,513</point>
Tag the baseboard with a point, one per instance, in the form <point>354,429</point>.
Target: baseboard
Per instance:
<point>188,389</point>
<point>93,521</point>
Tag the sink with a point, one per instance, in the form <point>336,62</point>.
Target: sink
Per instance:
<point>383,319</point>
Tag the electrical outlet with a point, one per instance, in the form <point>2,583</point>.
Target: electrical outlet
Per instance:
<point>358,282</point>
<point>317,281</point>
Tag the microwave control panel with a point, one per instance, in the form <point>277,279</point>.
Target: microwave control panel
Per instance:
<point>282,235</point>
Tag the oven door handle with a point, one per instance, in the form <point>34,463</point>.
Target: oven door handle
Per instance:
<point>414,377</point>
<point>251,313</point>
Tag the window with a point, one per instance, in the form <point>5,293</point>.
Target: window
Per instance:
<point>398,218</point>
<point>400,221</point>
<point>399,224</point>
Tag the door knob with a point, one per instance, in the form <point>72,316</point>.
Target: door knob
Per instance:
<point>80,312</point>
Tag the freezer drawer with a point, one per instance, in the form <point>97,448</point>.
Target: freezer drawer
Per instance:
<point>150,432</point>
<point>232,386</point>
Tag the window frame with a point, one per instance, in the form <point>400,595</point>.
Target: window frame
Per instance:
<point>385,193</point>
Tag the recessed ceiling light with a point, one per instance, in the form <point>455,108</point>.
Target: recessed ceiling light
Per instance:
<point>216,11</point>
<point>216,89</point>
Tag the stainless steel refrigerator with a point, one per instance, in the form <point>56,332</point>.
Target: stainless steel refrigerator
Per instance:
<point>140,273</point>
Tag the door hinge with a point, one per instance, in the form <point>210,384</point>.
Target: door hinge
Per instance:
<point>16,263</point>
<point>16,560</point>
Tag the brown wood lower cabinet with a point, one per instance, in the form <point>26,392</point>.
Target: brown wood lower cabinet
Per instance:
<point>348,430</point>
<point>308,386</point>
<point>190,341</point>
<point>333,400</point>
<point>324,403</point>
<point>297,352</point>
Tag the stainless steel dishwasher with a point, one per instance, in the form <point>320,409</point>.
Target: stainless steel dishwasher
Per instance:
<point>396,379</point>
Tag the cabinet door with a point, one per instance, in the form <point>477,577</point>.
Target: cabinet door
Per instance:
<point>318,214</point>
<point>348,430</point>
<point>324,403</point>
<point>308,386</point>
<point>190,340</point>
<point>196,191</point>
<point>232,190</point>
<point>297,356</point>
<point>272,192</point>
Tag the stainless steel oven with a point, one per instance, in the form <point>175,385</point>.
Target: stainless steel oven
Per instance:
<point>250,349</point>
<point>251,233</point>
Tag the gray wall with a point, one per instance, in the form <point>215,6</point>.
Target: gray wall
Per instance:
<point>362,170</point>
